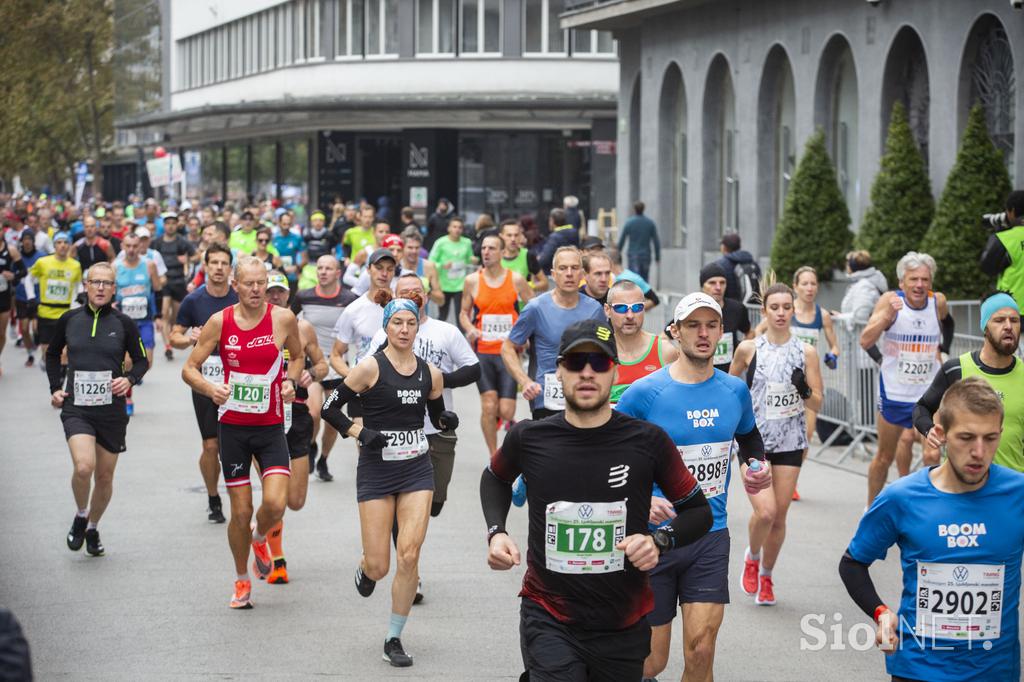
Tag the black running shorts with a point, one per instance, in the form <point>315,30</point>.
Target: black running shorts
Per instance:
<point>5,302</point>
<point>376,478</point>
<point>206,415</point>
<point>47,328</point>
<point>495,377</point>
<point>301,434</point>
<point>108,431</point>
<point>696,573</point>
<point>557,652</point>
<point>240,444</point>
<point>26,310</point>
<point>790,458</point>
<point>176,290</point>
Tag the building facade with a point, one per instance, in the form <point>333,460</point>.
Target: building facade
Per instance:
<point>489,103</point>
<point>716,99</point>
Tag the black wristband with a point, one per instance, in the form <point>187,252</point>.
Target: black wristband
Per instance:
<point>495,530</point>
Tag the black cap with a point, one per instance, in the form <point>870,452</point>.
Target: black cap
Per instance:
<point>379,255</point>
<point>710,270</point>
<point>247,214</point>
<point>589,331</point>
<point>591,242</point>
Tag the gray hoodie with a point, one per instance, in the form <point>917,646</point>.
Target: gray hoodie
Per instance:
<point>866,287</point>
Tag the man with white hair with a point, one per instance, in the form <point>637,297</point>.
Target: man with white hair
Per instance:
<point>913,324</point>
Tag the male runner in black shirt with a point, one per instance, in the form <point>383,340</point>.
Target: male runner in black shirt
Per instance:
<point>590,472</point>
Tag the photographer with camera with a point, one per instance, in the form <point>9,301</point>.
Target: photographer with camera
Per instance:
<point>1004,252</point>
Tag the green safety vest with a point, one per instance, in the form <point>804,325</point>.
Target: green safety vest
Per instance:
<point>1010,387</point>
<point>1012,278</point>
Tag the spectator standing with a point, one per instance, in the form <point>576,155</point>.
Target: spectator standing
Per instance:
<point>641,232</point>
<point>867,285</point>
<point>1004,252</point>
<point>739,265</point>
<point>573,215</point>
<point>561,234</point>
<point>437,223</point>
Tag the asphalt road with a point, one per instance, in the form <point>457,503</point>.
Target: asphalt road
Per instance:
<point>156,606</point>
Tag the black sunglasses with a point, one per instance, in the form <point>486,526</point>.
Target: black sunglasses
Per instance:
<point>575,362</point>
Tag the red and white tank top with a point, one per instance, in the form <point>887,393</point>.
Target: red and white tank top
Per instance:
<point>253,369</point>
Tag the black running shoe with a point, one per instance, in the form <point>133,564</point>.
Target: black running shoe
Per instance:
<point>363,584</point>
<point>31,361</point>
<point>216,514</point>
<point>395,654</point>
<point>419,592</point>
<point>322,472</point>
<point>92,542</point>
<point>168,353</point>
<point>76,536</point>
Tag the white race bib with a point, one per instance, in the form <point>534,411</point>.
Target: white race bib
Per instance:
<point>709,464</point>
<point>723,350</point>
<point>58,291</point>
<point>92,388</point>
<point>782,401</point>
<point>404,445</point>
<point>495,327</point>
<point>250,393</point>
<point>457,270</point>
<point>808,336</point>
<point>287,417</point>
<point>287,260</point>
<point>213,369</point>
<point>915,368</point>
<point>135,307</point>
<point>580,537</point>
<point>959,601</point>
<point>554,399</point>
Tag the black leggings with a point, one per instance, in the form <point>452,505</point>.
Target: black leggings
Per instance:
<point>451,297</point>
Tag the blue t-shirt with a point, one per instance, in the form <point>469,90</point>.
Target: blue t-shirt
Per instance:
<point>199,306</point>
<point>703,418</point>
<point>290,247</point>
<point>543,322</point>
<point>20,293</point>
<point>963,532</point>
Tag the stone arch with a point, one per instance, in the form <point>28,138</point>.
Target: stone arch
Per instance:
<point>672,162</point>
<point>836,110</point>
<point>720,151</point>
<point>776,141</point>
<point>906,80</point>
<point>634,142</point>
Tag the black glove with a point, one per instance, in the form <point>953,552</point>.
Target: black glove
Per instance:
<point>448,421</point>
<point>800,382</point>
<point>370,439</point>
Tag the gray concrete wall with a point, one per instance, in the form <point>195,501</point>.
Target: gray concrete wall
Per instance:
<point>744,32</point>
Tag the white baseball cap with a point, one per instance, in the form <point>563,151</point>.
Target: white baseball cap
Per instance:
<point>693,302</point>
<point>142,233</point>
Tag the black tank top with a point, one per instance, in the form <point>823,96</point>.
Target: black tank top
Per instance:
<point>396,402</point>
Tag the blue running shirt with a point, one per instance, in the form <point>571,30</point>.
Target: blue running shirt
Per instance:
<point>961,556</point>
<point>702,420</point>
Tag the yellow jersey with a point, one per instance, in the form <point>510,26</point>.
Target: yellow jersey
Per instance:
<point>58,283</point>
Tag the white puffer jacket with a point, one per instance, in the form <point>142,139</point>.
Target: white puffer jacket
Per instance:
<point>866,287</point>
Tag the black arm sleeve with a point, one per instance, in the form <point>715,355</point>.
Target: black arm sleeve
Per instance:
<point>693,519</point>
<point>652,296</point>
<point>54,350</point>
<point>874,354</point>
<point>435,406</point>
<point>859,585</point>
<point>994,257</point>
<point>924,410</point>
<point>948,325</point>
<point>495,499</point>
<point>751,445</point>
<point>136,351</point>
<point>333,412</point>
<point>463,376</point>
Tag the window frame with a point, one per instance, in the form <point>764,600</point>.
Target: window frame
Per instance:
<point>545,32</point>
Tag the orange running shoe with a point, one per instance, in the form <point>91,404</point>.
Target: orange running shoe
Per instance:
<point>796,495</point>
<point>261,562</point>
<point>749,581</point>
<point>242,599</point>
<point>766,593</point>
<point>279,574</point>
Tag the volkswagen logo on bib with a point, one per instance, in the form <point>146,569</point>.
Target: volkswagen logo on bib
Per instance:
<point>706,450</point>
<point>586,511</point>
<point>960,574</point>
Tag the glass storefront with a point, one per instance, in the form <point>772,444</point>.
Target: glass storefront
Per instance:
<point>237,163</point>
<point>263,183</point>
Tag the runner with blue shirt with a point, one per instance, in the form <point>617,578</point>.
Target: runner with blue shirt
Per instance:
<point>703,410</point>
<point>136,282</point>
<point>960,551</point>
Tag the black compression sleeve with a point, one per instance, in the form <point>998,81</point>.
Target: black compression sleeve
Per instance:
<point>874,354</point>
<point>435,406</point>
<point>928,404</point>
<point>751,445</point>
<point>994,257</point>
<point>333,412</point>
<point>495,499</point>
<point>463,376</point>
<point>652,296</point>
<point>859,585</point>
<point>948,325</point>
<point>693,519</point>
<point>54,350</point>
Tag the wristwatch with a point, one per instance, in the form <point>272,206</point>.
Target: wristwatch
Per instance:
<point>663,540</point>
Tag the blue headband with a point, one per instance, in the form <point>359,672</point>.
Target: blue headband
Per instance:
<point>397,304</point>
<point>996,302</point>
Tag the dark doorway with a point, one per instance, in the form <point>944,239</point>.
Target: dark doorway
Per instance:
<point>379,172</point>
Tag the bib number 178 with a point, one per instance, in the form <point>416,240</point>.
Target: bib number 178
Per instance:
<point>584,538</point>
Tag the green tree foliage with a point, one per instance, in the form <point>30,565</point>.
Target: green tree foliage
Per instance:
<point>977,184</point>
<point>815,225</point>
<point>902,205</point>
<point>56,81</point>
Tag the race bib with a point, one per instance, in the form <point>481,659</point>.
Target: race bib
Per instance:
<point>808,336</point>
<point>213,369</point>
<point>457,270</point>
<point>580,537</point>
<point>135,307</point>
<point>249,393</point>
<point>287,417</point>
<point>92,388</point>
<point>58,290</point>
<point>495,327</point>
<point>959,601</point>
<point>723,350</point>
<point>915,368</point>
<point>554,399</point>
<point>403,445</point>
<point>286,260</point>
<point>709,464</point>
<point>782,401</point>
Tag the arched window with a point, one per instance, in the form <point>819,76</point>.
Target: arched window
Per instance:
<point>906,81</point>
<point>672,162</point>
<point>634,142</point>
<point>722,180</point>
<point>987,76</point>
<point>776,144</point>
<point>837,103</point>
